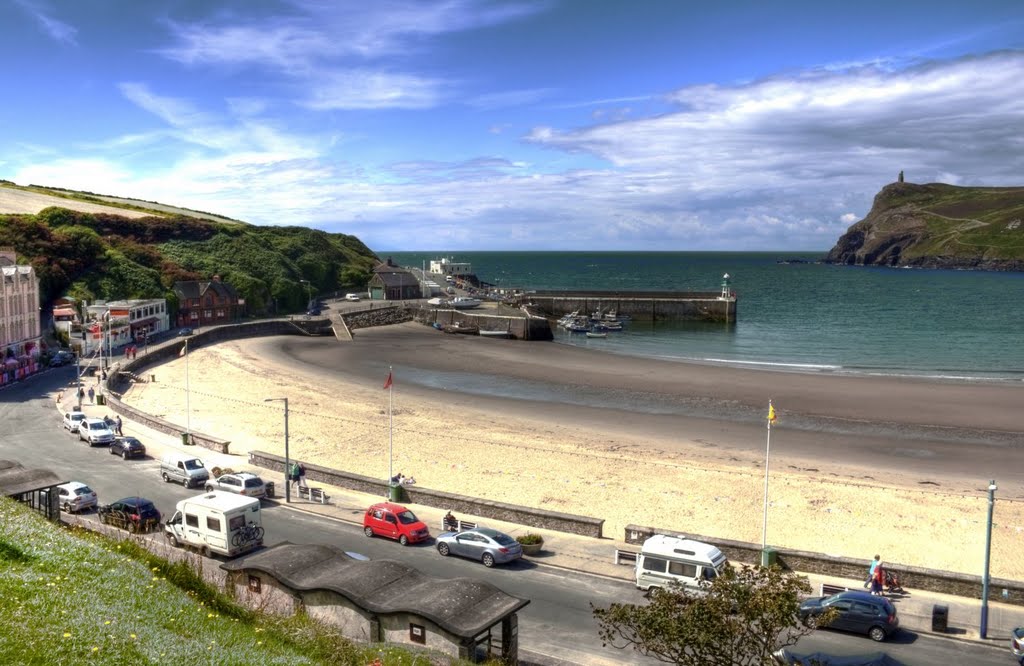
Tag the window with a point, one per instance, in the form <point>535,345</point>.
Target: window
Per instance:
<point>684,569</point>
<point>864,609</point>
<point>390,518</point>
<point>236,522</point>
<point>192,521</point>
<point>212,524</point>
<point>417,633</point>
<point>655,564</point>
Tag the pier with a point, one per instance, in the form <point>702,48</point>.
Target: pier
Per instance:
<point>639,305</point>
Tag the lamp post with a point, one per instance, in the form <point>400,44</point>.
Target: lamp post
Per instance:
<point>287,464</point>
<point>988,549</point>
<point>309,293</point>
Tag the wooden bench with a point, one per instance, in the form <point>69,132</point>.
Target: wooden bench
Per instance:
<point>314,494</point>
<point>827,589</point>
<point>625,556</point>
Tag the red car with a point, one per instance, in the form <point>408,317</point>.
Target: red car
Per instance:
<point>394,521</point>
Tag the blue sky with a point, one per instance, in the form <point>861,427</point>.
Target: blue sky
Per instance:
<point>508,125</point>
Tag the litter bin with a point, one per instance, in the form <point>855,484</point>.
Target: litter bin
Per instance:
<point>940,618</point>
<point>101,399</point>
<point>768,557</point>
<point>269,486</point>
<point>395,493</point>
<point>184,439</point>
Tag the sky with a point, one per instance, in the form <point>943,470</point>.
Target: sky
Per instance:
<point>516,124</point>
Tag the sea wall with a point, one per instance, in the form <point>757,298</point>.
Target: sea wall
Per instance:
<point>640,306</point>
<point>529,517</point>
<point>519,324</point>
<point>919,578</point>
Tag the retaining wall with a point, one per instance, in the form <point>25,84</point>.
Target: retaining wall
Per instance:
<point>931,580</point>
<point>529,517</point>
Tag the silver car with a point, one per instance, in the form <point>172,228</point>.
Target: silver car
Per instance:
<point>483,544</point>
<point>76,496</point>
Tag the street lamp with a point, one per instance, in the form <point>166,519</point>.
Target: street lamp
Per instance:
<point>988,549</point>
<point>309,293</point>
<point>287,465</point>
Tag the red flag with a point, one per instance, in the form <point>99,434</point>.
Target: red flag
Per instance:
<point>387,384</point>
<point>183,350</point>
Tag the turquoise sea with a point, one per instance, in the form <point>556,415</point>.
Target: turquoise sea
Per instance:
<point>799,316</point>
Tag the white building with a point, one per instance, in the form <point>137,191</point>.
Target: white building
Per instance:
<point>113,324</point>
<point>20,332</point>
<point>445,266</point>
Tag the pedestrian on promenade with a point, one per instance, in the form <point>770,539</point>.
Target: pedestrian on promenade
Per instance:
<point>92,395</point>
<point>878,580</point>
<point>871,570</point>
<point>293,474</point>
<point>302,476</point>
<point>117,425</point>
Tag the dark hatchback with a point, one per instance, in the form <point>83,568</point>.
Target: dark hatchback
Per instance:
<point>860,612</point>
<point>135,514</point>
<point>128,447</point>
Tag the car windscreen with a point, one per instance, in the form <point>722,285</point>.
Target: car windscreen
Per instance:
<point>253,483</point>
<point>146,508</point>
<point>195,463</point>
<point>407,518</point>
<point>504,539</point>
<point>84,490</point>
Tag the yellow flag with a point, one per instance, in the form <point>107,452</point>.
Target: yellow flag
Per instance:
<point>771,412</point>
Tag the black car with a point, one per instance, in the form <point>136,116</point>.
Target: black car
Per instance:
<point>861,612</point>
<point>128,447</point>
<point>313,312</point>
<point>135,514</point>
<point>185,332</point>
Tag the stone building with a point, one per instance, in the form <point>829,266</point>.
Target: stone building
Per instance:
<point>207,303</point>
<point>391,282</point>
<point>20,330</point>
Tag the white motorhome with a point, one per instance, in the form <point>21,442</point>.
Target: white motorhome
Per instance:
<point>217,522</point>
<point>664,559</point>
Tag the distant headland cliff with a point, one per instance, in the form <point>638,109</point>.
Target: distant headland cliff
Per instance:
<point>938,226</point>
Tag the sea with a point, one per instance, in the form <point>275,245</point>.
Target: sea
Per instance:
<point>793,313</point>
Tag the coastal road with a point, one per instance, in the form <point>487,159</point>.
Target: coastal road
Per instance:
<point>557,623</point>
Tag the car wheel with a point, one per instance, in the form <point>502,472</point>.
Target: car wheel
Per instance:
<point>443,549</point>
<point>206,552</point>
<point>67,507</point>
<point>209,488</point>
<point>173,540</point>
<point>877,634</point>
<point>404,540</point>
<point>488,560</point>
<point>368,531</point>
<point>124,455</point>
<point>167,479</point>
<point>133,527</point>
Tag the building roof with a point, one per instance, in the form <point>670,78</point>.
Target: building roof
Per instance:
<point>396,278</point>
<point>463,607</point>
<point>190,289</point>
<point>15,478</point>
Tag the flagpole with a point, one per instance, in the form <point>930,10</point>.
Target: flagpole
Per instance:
<point>391,423</point>
<point>188,411</point>
<point>767,453</point>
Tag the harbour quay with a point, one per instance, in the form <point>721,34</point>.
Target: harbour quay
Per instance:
<point>651,306</point>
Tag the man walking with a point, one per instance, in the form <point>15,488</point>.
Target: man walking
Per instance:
<point>117,426</point>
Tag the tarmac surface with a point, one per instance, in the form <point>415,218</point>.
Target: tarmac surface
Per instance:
<point>569,551</point>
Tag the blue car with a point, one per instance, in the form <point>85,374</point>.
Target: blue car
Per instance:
<point>860,612</point>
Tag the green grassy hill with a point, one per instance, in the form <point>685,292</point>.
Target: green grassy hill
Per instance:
<point>95,254</point>
<point>938,226</point>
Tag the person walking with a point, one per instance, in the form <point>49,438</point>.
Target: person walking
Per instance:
<point>92,395</point>
<point>302,476</point>
<point>117,426</point>
<point>878,580</point>
<point>293,474</point>
<point>871,570</point>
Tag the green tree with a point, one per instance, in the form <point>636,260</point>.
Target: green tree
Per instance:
<point>739,618</point>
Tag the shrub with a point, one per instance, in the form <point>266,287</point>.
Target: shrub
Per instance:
<point>530,539</point>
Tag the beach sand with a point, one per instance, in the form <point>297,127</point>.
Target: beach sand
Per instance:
<point>859,465</point>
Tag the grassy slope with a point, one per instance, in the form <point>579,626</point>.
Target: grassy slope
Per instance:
<point>71,597</point>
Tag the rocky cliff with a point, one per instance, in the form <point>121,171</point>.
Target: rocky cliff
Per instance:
<point>938,226</point>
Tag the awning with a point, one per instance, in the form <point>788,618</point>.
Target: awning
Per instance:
<point>63,312</point>
<point>144,322</point>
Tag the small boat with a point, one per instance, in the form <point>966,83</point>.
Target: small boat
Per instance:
<point>578,325</point>
<point>464,302</point>
<point>596,334</point>
<point>436,301</point>
<point>495,334</point>
<point>459,327</point>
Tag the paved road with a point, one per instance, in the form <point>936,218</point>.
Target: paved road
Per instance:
<point>557,623</point>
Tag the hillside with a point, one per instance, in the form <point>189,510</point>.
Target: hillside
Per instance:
<point>119,249</point>
<point>938,226</point>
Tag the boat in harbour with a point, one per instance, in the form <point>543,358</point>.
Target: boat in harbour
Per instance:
<point>596,334</point>
<point>464,302</point>
<point>495,334</point>
<point>459,327</point>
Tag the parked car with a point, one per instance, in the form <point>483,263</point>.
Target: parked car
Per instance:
<point>185,332</point>
<point>313,312</point>
<point>72,420</point>
<point>394,521</point>
<point>135,514</point>
<point>75,496</point>
<point>128,447</point>
<point>240,483</point>
<point>484,544</point>
<point>351,297</point>
<point>858,611</point>
<point>1017,644</point>
<point>61,357</point>
<point>95,431</point>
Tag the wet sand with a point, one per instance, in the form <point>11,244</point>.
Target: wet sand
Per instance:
<point>859,465</point>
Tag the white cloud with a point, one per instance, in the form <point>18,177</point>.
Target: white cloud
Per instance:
<point>367,89</point>
<point>57,30</point>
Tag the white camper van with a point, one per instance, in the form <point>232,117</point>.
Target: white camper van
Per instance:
<point>217,522</point>
<point>666,558</point>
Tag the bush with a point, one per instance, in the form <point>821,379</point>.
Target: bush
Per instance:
<point>530,539</point>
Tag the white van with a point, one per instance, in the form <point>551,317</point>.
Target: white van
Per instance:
<point>216,522</point>
<point>666,558</point>
<point>183,468</point>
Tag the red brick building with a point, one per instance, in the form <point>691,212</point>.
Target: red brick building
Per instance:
<point>207,303</point>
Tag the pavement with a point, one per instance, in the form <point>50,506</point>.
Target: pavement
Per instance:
<point>569,551</point>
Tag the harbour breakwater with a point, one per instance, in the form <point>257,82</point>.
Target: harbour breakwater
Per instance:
<point>642,306</point>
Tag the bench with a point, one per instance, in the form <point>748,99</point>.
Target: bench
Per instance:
<point>461,526</point>
<point>625,556</point>
<point>827,589</point>
<point>314,494</point>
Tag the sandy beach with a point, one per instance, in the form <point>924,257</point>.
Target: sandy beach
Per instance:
<point>859,465</point>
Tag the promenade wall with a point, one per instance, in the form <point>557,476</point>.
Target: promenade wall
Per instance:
<point>529,517</point>
<point>917,578</point>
